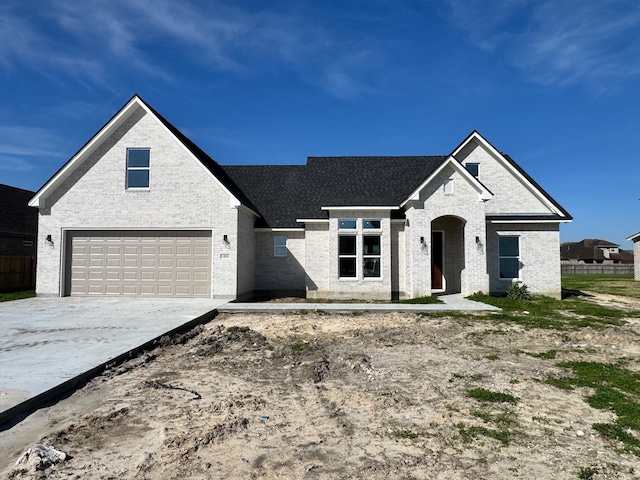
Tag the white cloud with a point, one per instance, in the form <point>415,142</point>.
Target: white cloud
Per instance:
<point>22,148</point>
<point>556,43</point>
<point>98,42</point>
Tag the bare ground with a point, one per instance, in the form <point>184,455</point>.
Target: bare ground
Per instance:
<point>336,396</point>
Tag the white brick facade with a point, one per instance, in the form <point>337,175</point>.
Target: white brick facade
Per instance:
<point>182,196</point>
<point>280,275</point>
<point>90,193</point>
<point>539,257</point>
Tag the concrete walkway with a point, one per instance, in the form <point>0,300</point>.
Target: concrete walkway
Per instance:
<point>50,345</point>
<point>455,302</point>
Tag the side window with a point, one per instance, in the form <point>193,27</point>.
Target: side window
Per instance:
<point>347,256</point>
<point>509,251</point>
<point>138,167</point>
<point>279,246</point>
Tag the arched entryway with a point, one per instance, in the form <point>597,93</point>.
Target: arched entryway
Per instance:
<point>447,254</point>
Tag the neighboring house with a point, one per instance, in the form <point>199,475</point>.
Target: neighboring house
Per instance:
<point>18,223</point>
<point>594,251</point>
<point>140,209</point>
<point>636,253</point>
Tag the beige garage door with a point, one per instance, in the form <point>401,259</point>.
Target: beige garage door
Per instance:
<point>164,264</point>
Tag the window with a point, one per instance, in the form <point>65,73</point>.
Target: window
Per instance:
<point>509,251</point>
<point>347,224</point>
<point>447,185</point>
<point>367,224</point>
<point>371,256</point>
<point>279,246</point>
<point>359,248</point>
<point>472,168</point>
<point>138,167</point>
<point>347,256</point>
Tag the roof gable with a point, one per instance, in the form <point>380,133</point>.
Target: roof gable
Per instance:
<point>516,172</point>
<point>236,197</point>
<point>483,192</point>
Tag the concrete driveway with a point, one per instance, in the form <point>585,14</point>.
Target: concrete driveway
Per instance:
<point>46,342</point>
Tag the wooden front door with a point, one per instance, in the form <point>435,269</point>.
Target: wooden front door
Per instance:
<point>437,260</point>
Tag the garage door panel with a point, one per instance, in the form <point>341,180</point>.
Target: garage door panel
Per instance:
<point>140,263</point>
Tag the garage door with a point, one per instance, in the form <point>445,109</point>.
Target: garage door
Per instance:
<point>164,264</point>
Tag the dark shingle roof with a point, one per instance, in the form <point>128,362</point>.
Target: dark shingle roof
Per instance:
<point>567,215</point>
<point>15,215</point>
<point>283,194</point>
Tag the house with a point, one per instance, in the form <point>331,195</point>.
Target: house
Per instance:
<point>594,251</point>
<point>142,210</point>
<point>18,223</point>
<point>636,253</point>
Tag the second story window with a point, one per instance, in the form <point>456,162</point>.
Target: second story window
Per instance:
<point>138,167</point>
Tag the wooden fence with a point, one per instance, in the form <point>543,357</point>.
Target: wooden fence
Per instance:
<point>17,273</point>
<point>597,268</point>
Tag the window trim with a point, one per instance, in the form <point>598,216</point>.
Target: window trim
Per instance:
<point>283,249</point>
<point>517,257</point>
<point>138,169</point>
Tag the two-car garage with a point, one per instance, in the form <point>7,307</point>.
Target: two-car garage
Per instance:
<point>149,263</point>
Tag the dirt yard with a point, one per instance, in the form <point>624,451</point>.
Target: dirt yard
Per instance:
<point>337,396</point>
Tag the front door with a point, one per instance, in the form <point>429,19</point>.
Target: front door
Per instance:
<point>437,257</point>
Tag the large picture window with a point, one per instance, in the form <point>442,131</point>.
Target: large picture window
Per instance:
<point>509,247</point>
<point>138,167</point>
<point>347,256</point>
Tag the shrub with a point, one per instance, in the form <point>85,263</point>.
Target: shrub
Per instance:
<point>519,292</point>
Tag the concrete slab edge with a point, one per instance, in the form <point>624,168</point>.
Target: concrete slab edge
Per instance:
<point>350,308</point>
<point>10,417</point>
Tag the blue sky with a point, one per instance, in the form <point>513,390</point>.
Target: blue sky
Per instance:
<point>553,83</point>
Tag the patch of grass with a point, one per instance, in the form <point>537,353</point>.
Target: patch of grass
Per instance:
<point>422,300</point>
<point>549,313</point>
<point>608,284</point>
<point>616,389</point>
<point>488,396</point>
<point>504,418</point>
<point>548,355</point>
<point>587,473</point>
<point>9,296</point>
<point>472,432</point>
<point>298,347</point>
<point>492,356</point>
